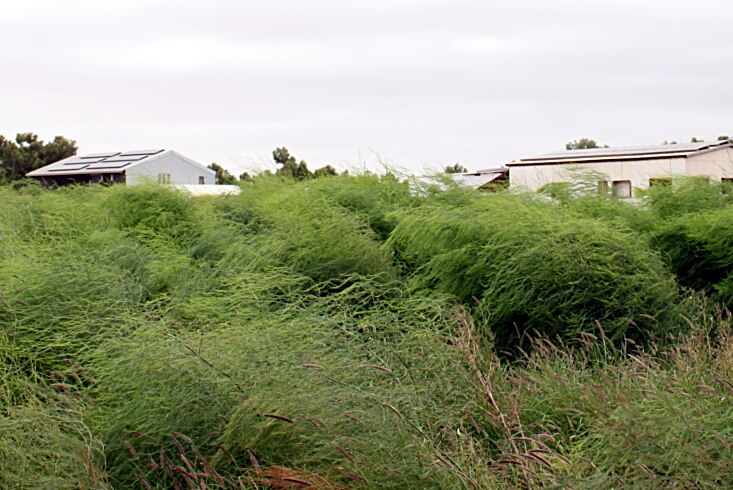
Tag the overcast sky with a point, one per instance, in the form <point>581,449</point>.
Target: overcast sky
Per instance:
<point>418,84</point>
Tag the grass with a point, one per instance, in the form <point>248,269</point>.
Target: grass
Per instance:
<point>348,332</point>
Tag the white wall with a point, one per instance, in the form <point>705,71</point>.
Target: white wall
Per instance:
<point>181,171</point>
<point>716,164</point>
<point>532,177</point>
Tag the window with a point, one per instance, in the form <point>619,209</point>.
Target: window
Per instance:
<point>726,185</point>
<point>202,181</point>
<point>659,181</point>
<point>621,188</point>
<point>602,187</point>
<point>164,178</point>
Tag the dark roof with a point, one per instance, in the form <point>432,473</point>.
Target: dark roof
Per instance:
<point>676,150</point>
<point>105,162</point>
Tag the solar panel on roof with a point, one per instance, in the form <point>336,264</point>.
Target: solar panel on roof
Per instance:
<point>101,155</point>
<point>86,161</point>
<point>122,158</point>
<point>67,167</point>
<point>108,164</point>
<point>627,151</point>
<point>140,152</point>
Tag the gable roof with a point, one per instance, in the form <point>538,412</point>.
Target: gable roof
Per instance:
<point>105,162</point>
<point>675,150</point>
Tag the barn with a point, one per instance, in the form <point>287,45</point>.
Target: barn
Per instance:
<point>624,169</point>
<point>128,167</point>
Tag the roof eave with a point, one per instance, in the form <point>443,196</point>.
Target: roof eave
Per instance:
<point>566,161</point>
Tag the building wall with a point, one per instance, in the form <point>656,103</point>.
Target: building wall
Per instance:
<point>180,170</point>
<point>716,164</point>
<point>639,172</point>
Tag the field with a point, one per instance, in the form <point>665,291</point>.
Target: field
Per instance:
<point>359,332</point>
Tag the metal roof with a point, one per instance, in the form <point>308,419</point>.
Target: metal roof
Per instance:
<point>95,163</point>
<point>675,150</point>
<point>479,178</point>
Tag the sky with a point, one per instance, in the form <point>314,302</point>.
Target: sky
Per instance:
<point>410,85</point>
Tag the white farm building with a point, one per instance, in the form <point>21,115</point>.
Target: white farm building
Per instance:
<point>624,169</point>
<point>130,167</point>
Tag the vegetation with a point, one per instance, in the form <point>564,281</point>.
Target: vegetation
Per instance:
<point>223,176</point>
<point>288,167</point>
<point>364,332</point>
<point>583,144</point>
<point>28,153</point>
<point>455,169</point>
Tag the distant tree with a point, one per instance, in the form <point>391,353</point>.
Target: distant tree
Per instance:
<point>583,144</point>
<point>290,166</point>
<point>246,177</point>
<point>665,142</point>
<point>326,171</point>
<point>28,153</point>
<point>455,169</point>
<point>223,176</point>
<point>695,140</point>
<point>723,138</point>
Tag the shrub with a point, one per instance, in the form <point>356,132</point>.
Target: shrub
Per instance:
<point>699,249</point>
<point>529,266</point>
<point>685,195</point>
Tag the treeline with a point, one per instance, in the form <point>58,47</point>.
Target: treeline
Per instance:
<point>27,152</point>
<point>287,166</point>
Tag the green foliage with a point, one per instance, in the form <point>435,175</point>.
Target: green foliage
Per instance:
<point>699,248</point>
<point>44,438</point>
<point>223,176</point>
<point>28,153</point>
<point>348,329</point>
<point>150,210</point>
<point>685,195</point>
<point>455,169</point>
<point>290,167</point>
<point>531,266</point>
<point>327,171</point>
<point>582,144</point>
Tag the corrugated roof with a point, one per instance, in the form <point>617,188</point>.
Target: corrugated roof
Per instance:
<point>106,162</point>
<point>623,153</point>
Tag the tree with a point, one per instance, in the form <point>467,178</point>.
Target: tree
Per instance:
<point>28,153</point>
<point>695,140</point>
<point>583,144</point>
<point>298,171</point>
<point>455,169</point>
<point>723,138</point>
<point>290,166</point>
<point>223,176</point>
<point>326,171</point>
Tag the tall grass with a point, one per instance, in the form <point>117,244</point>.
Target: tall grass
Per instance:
<point>530,265</point>
<point>347,333</point>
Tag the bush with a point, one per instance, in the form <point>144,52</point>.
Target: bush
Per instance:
<point>685,195</point>
<point>529,265</point>
<point>699,248</point>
